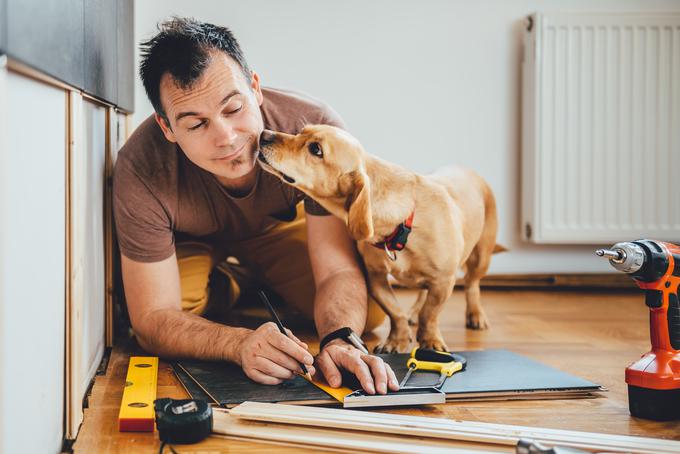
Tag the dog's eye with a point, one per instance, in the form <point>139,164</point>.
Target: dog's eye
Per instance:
<point>315,149</point>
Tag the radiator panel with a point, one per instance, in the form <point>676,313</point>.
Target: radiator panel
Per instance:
<point>601,128</point>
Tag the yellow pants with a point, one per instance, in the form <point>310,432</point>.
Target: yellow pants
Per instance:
<point>278,258</point>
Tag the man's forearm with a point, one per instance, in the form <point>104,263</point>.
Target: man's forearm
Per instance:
<point>174,334</point>
<point>341,300</point>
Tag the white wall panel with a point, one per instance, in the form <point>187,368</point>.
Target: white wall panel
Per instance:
<point>32,264</point>
<point>87,307</point>
<point>94,117</point>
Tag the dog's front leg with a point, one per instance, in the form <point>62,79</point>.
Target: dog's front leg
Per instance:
<point>399,339</point>
<point>415,309</point>
<point>429,335</point>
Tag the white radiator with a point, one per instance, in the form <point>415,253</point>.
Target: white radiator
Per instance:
<point>601,128</point>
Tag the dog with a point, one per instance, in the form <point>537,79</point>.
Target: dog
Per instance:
<point>419,229</point>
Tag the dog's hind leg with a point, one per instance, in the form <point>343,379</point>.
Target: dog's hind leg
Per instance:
<point>429,335</point>
<point>415,309</point>
<point>477,265</point>
<point>400,338</point>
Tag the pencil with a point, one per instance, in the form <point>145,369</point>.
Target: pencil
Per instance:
<point>266,302</point>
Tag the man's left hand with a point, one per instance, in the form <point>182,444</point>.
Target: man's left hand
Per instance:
<point>371,371</point>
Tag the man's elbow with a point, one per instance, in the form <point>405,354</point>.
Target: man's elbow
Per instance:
<point>146,333</point>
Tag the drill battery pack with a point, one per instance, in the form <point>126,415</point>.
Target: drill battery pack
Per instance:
<point>655,404</point>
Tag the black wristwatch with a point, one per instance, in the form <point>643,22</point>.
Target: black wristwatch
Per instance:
<point>348,336</point>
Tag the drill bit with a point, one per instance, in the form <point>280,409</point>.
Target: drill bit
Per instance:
<point>616,255</point>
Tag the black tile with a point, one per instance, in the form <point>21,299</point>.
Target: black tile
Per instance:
<point>101,50</point>
<point>47,35</point>
<point>3,26</point>
<point>126,51</point>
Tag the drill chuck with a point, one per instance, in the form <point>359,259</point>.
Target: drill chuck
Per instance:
<point>627,257</point>
<point>644,260</point>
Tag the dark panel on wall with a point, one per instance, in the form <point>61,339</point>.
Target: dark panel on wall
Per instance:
<point>48,35</point>
<point>3,25</point>
<point>101,51</point>
<point>126,50</point>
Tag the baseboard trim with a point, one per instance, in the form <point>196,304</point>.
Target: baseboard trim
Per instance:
<point>562,280</point>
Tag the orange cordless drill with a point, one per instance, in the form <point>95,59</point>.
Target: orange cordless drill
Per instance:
<point>654,380</point>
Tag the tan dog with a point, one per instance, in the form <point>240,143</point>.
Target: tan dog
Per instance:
<point>454,223</point>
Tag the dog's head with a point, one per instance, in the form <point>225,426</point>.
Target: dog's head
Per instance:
<point>328,164</point>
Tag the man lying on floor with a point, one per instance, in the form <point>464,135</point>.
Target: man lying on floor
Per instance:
<point>188,194</point>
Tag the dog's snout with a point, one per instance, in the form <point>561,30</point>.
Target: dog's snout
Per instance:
<point>267,138</point>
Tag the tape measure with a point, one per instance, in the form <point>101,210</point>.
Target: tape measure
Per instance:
<point>183,421</point>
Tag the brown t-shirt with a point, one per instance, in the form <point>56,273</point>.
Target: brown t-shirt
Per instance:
<point>160,197</point>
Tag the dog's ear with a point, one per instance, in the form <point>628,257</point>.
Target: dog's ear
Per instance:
<point>360,217</point>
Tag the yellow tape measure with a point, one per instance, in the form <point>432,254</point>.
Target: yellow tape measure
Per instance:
<point>136,408</point>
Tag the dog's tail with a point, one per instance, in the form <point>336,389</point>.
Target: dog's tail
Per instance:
<point>499,248</point>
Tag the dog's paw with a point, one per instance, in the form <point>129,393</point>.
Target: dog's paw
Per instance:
<point>476,320</point>
<point>413,319</point>
<point>395,344</point>
<point>434,343</point>
<point>431,338</point>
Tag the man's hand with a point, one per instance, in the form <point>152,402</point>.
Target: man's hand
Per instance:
<point>373,373</point>
<point>268,357</point>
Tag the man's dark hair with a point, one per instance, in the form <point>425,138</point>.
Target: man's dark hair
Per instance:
<point>182,48</point>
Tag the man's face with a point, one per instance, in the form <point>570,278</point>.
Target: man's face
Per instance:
<point>217,122</point>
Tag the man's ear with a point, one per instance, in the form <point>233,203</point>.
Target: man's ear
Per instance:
<point>165,127</point>
<point>255,86</point>
<point>360,216</point>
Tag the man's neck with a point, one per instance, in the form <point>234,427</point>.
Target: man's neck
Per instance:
<point>241,186</point>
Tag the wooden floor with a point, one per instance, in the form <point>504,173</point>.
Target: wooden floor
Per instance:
<point>594,335</point>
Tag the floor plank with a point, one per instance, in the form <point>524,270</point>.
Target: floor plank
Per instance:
<point>594,335</point>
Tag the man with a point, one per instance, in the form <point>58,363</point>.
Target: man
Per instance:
<point>189,197</point>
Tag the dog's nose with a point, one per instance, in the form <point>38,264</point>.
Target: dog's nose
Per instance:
<point>267,137</point>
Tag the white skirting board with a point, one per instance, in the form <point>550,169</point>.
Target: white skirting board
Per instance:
<point>289,423</point>
<point>230,426</point>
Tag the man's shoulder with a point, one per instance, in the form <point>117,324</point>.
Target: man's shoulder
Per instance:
<point>147,152</point>
<point>289,111</point>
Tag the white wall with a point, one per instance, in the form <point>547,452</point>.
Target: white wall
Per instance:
<point>32,258</point>
<point>424,84</point>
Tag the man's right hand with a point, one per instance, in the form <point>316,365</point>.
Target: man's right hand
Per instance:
<point>267,356</point>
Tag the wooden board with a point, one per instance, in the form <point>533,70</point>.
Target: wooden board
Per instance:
<point>496,373</point>
<point>435,428</point>
<point>345,440</point>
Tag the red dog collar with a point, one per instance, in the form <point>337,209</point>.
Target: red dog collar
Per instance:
<point>396,241</point>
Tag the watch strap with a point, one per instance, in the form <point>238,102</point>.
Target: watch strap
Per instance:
<point>348,335</point>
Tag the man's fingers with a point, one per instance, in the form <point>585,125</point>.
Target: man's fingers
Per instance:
<point>259,377</point>
<point>359,368</point>
<point>269,367</point>
<point>378,371</point>
<point>311,370</point>
<point>295,338</point>
<point>282,359</point>
<point>329,370</point>
<point>290,347</point>
<point>391,378</point>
